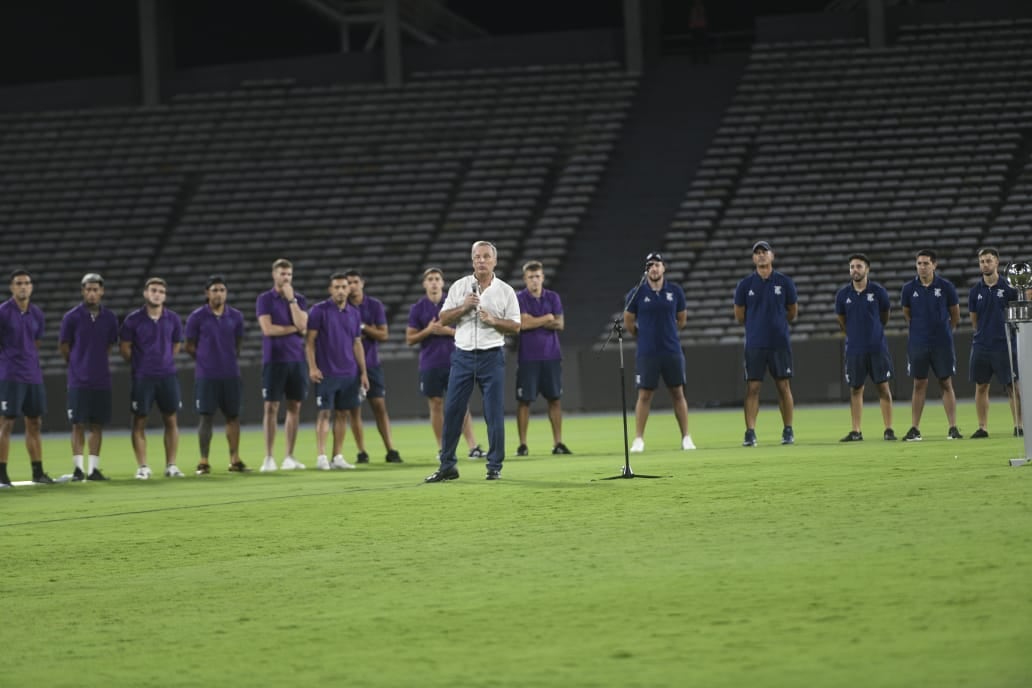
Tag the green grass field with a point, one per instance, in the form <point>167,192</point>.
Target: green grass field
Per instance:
<point>820,564</point>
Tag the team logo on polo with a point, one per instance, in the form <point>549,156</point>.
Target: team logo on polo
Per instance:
<point>669,296</point>
<point>777,289</point>
<point>870,298</point>
<point>999,294</point>
<point>938,292</point>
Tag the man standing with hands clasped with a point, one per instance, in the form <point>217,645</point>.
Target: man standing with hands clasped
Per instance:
<point>654,314</point>
<point>483,309</point>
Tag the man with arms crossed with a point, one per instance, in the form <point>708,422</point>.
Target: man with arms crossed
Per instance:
<point>150,339</point>
<point>655,315</point>
<point>932,309</point>
<point>987,305</point>
<point>336,364</point>
<point>766,302</point>
<point>21,378</point>
<point>436,344</point>
<point>540,358</point>
<point>374,331</point>
<point>283,319</point>
<point>88,332</point>
<point>483,310</point>
<point>213,334</point>
<point>862,308</point>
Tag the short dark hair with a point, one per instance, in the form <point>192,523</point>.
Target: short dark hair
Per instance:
<point>18,272</point>
<point>339,275</point>
<point>860,256</point>
<point>354,273</point>
<point>990,250</point>
<point>533,266</point>
<point>927,252</point>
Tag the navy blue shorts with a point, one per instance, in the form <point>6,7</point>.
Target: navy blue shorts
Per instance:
<point>651,368</point>
<point>89,406</point>
<point>434,382</point>
<point>338,393</point>
<point>377,388</point>
<point>984,364</point>
<point>223,394</point>
<point>877,366</point>
<point>22,399</point>
<point>758,362</point>
<point>288,380</point>
<point>941,361</point>
<point>545,377</point>
<point>164,391</point>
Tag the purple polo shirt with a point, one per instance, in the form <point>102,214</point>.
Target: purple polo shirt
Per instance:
<point>216,338</point>
<point>435,351</point>
<point>152,342</point>
<point>338,329</point>
<point>19,332</point>
<point>372,313</point>
<point>89,339</point>
<point>539,344</point>
<point>288,349</point>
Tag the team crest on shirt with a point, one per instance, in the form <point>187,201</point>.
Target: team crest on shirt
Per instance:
<point>669,296</point>
<point>999,294</point>
<point>870,298</point>
<point>938,292</point>
<point>777,289</point>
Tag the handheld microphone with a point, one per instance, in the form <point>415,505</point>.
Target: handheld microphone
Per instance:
<point>476,291</point>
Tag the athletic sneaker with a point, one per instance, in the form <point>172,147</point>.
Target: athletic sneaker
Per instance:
<point>750,439</point>
<point>913,435</point>
<point>78,475</point>
<point>322,463</point>
<point>95,474</point>
<point>203,469</point>
<point>1019,432</point>
<point>42,478</point>
<point>788,435</point>
<point>393,456</point>
<point>889,435</point>
<point>339,464</point>
<point>637,446</point>
<point>241,467</point>
<point>954,434</point>
<point>291,464</point>
<point>522,450</point>
<point>853,436</point>
<point>477,453</point>
<point>493,475</point>
<point>172,471</point>
<point>979,434</point>
<point>686,443</point>
<point>143,473</point>
<point>268,465</point>
<point>362,457</point>
<point>561,449</point>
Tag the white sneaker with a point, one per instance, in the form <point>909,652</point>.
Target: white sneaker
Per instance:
<point>686,443</point>
<point>637,446</point>
<point>172,471</point>
<point>322,463</point>
<point>269,465</point>
<point>340,464</point>
<point>291,464</point>
<point>143,473</point>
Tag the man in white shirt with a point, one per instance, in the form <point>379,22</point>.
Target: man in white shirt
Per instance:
<point>482,309</point>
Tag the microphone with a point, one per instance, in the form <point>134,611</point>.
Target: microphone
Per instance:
<point>476,291</point>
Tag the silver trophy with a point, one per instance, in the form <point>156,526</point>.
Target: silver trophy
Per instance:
<point>1019,317</point>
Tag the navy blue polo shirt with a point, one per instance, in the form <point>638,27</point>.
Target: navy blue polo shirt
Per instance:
<point>862,310</point>
<point>766,303</point>
<point>929,312</point>
<point>657,311</point>
<point>990,305</point>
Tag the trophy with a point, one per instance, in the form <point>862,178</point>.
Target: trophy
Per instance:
<point>1019,318</point>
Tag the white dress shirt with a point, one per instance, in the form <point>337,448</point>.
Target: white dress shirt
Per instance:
<point>499,299</point>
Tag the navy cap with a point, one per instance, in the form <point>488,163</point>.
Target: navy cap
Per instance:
<point>761,244</point>
<point>654,258</point>
<point>215,279</point>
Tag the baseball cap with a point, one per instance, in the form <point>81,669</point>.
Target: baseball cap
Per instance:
<point>655,258</point>
<point>215,279</point>
<point>92,278</point>
<point>761,244</point>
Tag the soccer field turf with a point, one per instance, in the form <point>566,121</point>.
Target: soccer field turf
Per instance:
<point>819,564</point>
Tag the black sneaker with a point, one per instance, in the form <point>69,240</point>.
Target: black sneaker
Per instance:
<point>522,450</point>
<point>362,457</point>
<point>477,453</point>
<point>239,467</point>
<point>77,475</point>
<point>954,434</point>
<point>913,435</point>
<point>750,439</point>
<point>393,456</point>
<point>439,476</point>
<point>853,436</point>
<point>889,435</point>
<point>979,434</point>
<point>1019,432</point>
<point>95,474</point>
<point>493,475</point>
<point>561,449</point>
<point>42,479</point>
<point>788,435</point>
<point>203,469</point>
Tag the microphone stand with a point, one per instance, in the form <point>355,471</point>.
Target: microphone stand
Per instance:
<point>618,330</point>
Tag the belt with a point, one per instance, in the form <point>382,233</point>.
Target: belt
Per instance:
<point>482,351</point>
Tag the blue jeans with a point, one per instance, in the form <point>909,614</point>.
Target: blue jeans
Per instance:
<point>487,369</point>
